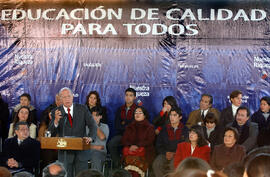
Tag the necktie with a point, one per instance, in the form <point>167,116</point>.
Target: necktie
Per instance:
<point>202,115</point>
<point>69,117</point>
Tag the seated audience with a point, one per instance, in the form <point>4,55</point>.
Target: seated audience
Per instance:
<point>228,114</point>
<point>170,135</point>
<point>234,170</point>
<point>193,163</point>
<point>98,151</point>
<point>55,169</point>
<point>211,130</point>
<point>162,118</point>
<point>197,117</point>
<point>254,152</point>
<point>21,151</point>
<point>47,155</point>
<point>90,173</point>
<point>4,172</point>
<point>248,131</point>
<point>23,115</point>
<point>3,119</point>
<point>123,117</point>
<point>262,118</point>
<point>258,166</point>
<point>25,100</point>
<point>229,152</point>
<point>92,101</point>
<point>121,173</point>
<point>196,146</point>
<point>138,140</point>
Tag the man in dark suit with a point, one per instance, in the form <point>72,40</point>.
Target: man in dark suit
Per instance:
<point>21,152</point>
<point>228,114</point>
<point>196,117</point>
<point>248,131</point>
<point>71,119</point>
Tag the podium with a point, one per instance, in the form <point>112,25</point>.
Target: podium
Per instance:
<point>64,143</point>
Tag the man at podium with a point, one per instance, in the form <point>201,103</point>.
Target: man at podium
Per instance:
<point>70,120</point>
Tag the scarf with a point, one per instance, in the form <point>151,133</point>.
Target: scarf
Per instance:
<point>175,135</point>
<point>129,114</point>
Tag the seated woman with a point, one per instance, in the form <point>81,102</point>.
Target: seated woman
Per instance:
<point>23,115</point>
<point>138,140</point>
<point>196,146</point>
<point>93,100</point>
<point>162,118</point>
<point>229,152</point>
<point>262,118</point>
<point>211,130</point>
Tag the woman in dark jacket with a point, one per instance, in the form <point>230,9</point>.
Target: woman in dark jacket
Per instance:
<point>212,132</point>
<point>92,101</point>
<point>163,117</point>
<point>138,141</point>
<point>229,152</point>
<point>262,118</point>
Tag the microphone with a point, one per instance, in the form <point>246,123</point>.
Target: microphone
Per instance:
<point>64,125</point>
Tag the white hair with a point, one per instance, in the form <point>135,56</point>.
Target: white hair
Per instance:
<point>65,88</point>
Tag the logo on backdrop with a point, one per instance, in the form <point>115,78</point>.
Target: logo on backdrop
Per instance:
<point>141,89</point>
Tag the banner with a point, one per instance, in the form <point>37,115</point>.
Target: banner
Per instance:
<point>160,48</point>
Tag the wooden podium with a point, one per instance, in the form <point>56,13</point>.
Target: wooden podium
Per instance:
<point>63,143</point>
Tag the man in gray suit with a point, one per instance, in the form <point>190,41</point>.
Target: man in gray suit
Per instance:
<point>71,119</point>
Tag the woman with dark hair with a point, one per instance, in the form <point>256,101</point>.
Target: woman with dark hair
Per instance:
<point>262,118</point>
<point>138,141</point>
<point>93,100</point>
<point>196,146</point>
<point>23,115</point>
<point>163,117</point>
<point>229,152</point>
<point>212,131</point>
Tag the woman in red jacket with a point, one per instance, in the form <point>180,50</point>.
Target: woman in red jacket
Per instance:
<point>138,141</point>
<point>196,146</point>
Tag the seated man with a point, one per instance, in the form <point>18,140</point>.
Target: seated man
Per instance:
<point>98,150</point>
<point>55,169</point>
<point>248,131</point>
<point>168,138</point>
<point>21,153</point>
<point>25,100</point>
<point>197,117</point>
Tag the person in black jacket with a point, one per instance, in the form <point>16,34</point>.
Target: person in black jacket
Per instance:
<point>162,118</point>
<point>262,118</point>
<point>212,131</point>
<point>93,101</point>
<point>21,152</point>
<point>3,119</point>
<point>123,117</point>
<point>167,140</point>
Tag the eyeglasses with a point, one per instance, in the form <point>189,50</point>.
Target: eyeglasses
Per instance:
<point>138,112</point>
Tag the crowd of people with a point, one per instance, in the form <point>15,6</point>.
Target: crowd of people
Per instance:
<point>212,141</point>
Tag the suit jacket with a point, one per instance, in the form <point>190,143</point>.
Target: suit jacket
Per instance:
<point>184,150</point>
<point>195,116</point>
<point>81,118</point>
<point>27,154</point>
<point>251,141</point>
<point>226,116</point>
